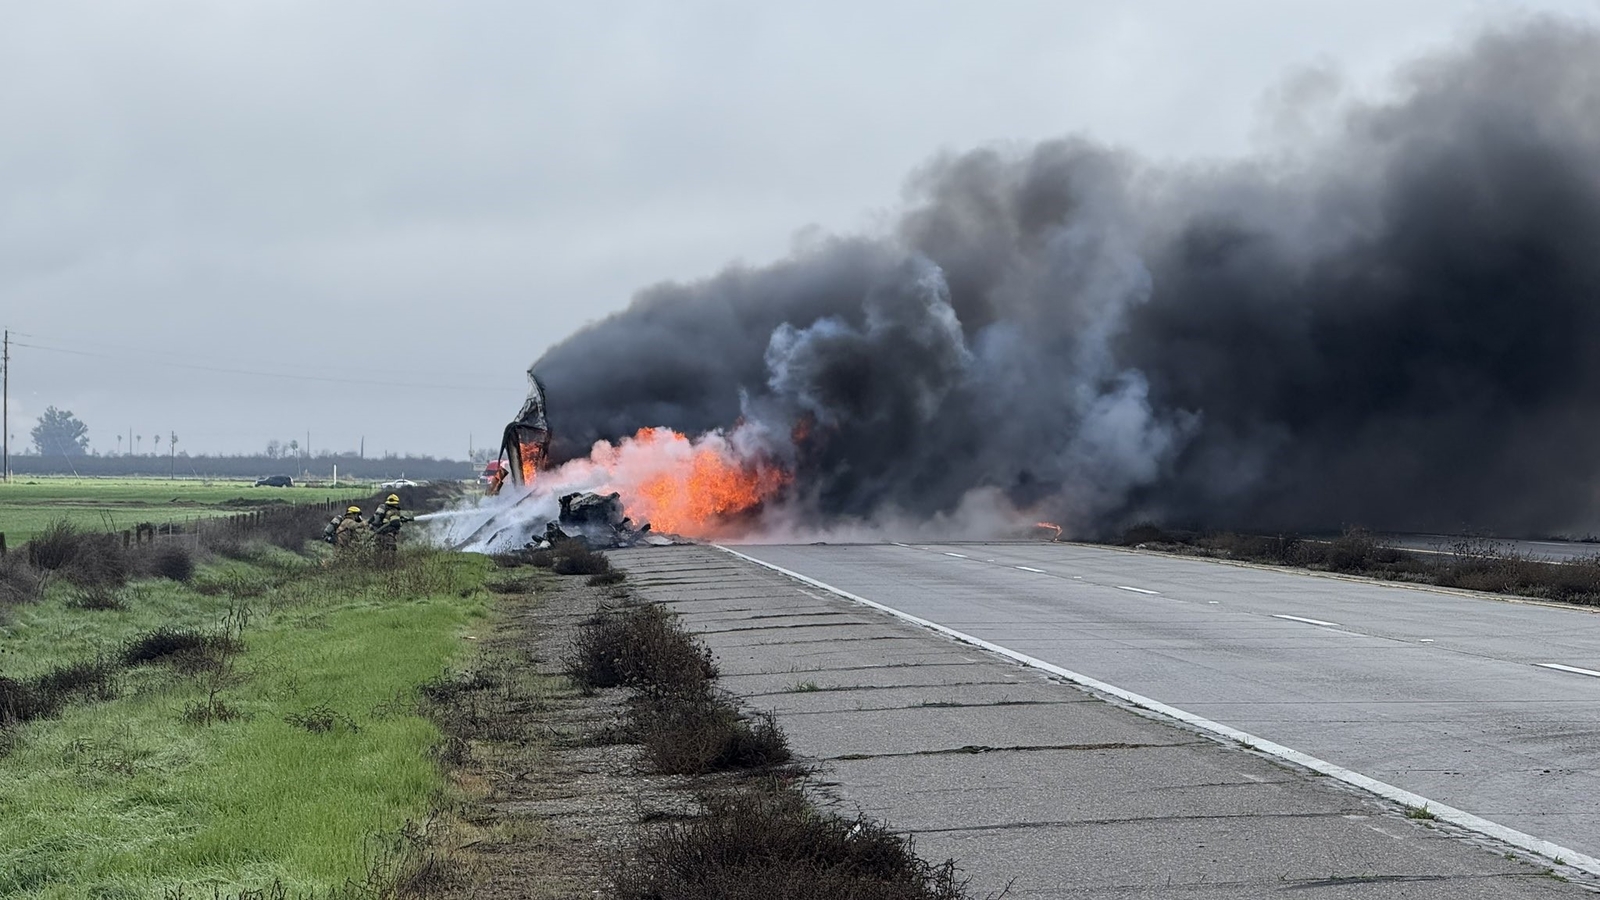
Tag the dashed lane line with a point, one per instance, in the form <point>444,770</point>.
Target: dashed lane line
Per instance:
<point>1573,669</point>
<point>1123,587</point>
<point>1031,569</point>
<point>1307,621</point>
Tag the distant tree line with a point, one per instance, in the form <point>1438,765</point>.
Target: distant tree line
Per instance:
<point>183,465</point>
<point>61,447</point>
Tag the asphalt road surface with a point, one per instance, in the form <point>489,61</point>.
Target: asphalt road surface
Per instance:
<point>1555,551</point>
<point>1489,706</point>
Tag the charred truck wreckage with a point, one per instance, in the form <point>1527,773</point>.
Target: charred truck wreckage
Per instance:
<point>598,520</point>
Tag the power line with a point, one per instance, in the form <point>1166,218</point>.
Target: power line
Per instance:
<point>256,372</point>
<point>208,359</point>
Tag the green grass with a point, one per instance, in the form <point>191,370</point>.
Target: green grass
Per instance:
<point>130,798</point>
<point>29,505</point>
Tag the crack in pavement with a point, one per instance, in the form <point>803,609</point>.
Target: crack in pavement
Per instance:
<point>973,749</point>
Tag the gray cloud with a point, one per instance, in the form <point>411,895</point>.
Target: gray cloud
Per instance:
<point>410,192</point>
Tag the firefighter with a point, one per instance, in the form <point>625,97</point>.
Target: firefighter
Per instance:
<point>386,521</point>
<point>349,529</point>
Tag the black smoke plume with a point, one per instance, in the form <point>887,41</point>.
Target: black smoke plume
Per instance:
<point>1392,321</point>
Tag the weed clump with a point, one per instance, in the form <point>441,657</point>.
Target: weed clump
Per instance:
<point>605,579</point>
<point>643,646</point>
<point>696,730</point>
<point>771,843</point>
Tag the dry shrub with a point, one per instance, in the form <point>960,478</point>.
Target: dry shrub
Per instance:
<point>575,558</point>
<point>83,558</point>
<point>44,696</point>
<point>607,578</point>
<point>692,731</point>
<point>641,646</point>
<point>185,648</point>
<point>17,701</point>
<point>20,582</point>
<point>172,562</point>
<point>1143,533</point>
<point>543,559</point>
<point>55,547</point>
<point>772,845</point>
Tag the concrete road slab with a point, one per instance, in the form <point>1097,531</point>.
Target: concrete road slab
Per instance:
<point>1104,801</point>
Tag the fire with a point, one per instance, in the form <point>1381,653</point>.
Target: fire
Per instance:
<point>532,457</point>
<point>696,488</point>
<point>1053,525</point>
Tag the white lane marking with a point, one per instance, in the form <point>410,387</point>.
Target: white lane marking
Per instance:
<point>1459,818</point>
<point>1307,621</point>
<point>1032,569</point>
<point>1425,641</point>
<point>956,555</point>
<point>1213,602</point>
<point>1573,669</point>
<point>1123,587</point>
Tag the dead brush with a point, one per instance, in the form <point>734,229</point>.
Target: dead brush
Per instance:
<point>171,562</point>
<point>45,695</point>
<point>771,843</point>
<point>575,558</point>
<point>20,581</point>
<point>640,646</point>
<point>697,730</point>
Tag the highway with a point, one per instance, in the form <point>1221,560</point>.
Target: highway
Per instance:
<point>1489,706</point>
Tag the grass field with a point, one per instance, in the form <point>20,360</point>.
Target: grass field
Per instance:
<point>293,755</point>
<point>28,506</point>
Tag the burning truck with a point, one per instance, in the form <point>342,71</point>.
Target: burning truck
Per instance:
<point>599,520</point>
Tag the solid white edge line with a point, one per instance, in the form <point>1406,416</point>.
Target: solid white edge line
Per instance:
<point>1573,669</point>
<point>1031,569</point>
<point>1555,852</point>
<point>1123,587</point>
<point>1307,621</point>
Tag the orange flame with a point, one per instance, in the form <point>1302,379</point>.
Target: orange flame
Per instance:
<point>696,488</point>
<point>1057,528</point>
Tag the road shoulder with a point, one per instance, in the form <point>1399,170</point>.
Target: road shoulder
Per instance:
<point>1040,785</point>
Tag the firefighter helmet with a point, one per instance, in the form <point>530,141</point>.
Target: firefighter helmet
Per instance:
<point>392,500</point>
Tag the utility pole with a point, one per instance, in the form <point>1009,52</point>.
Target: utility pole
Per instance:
<point>5,408</point>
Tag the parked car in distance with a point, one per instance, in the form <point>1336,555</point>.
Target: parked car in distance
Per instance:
<point>275,481</point>
<point>397,484</point>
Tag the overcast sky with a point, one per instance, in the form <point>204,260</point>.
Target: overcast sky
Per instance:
<point>245,220</point>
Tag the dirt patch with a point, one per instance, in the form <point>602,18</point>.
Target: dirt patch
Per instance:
<point>552,800</point>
